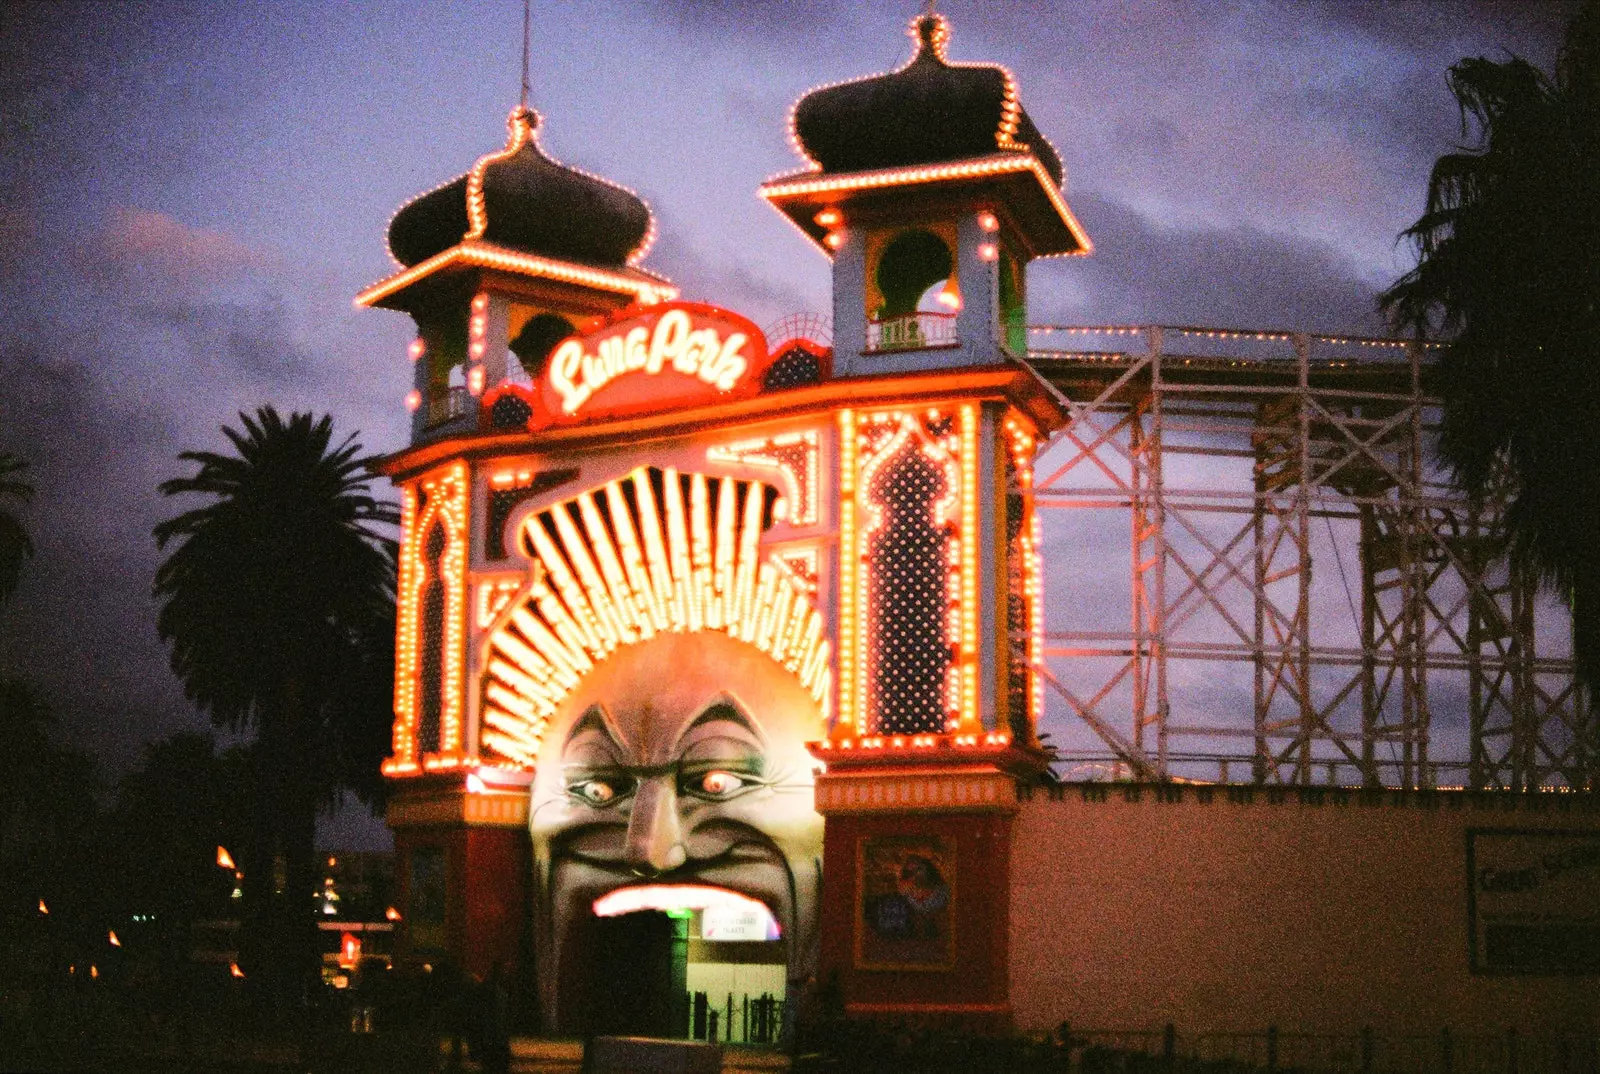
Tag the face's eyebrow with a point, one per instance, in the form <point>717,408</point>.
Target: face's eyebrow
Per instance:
<point>598,721</point>
<point>723,710</point>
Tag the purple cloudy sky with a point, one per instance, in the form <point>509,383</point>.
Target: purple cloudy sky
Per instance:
<point>190,194</point>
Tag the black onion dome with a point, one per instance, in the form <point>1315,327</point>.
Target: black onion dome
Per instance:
<point>521,199</point>
<point>929,111</point>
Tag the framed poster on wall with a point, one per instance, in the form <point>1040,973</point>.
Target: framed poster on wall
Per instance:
<point>905,914</point>
<point>1533,901</point>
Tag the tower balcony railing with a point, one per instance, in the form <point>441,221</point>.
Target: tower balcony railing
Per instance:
<point>912,332</point>
<point>448,406</point>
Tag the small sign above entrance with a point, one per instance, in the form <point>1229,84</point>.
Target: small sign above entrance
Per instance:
<point>743,924</point>
<point>639,361</point>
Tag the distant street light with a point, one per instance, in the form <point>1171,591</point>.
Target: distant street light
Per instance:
<point>392,914</point>
<point>43,909</point>
<point>112,936</point>
<point>234,970</point>
<point>224,859</point>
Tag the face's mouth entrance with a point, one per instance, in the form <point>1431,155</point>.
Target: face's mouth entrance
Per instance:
<point>721,909</point>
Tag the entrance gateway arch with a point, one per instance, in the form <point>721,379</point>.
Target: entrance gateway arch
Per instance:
<point>724,655</point>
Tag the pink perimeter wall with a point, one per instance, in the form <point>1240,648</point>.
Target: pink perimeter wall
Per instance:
<point>1228,910</point>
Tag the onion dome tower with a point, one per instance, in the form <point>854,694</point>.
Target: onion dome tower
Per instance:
<point>502,262</point>
<point>495,267</point>
<point>931,189</point>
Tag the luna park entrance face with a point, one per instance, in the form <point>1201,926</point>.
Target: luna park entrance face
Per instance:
<point>676,845</point>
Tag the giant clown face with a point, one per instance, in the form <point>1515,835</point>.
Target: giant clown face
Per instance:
<point>678,760</point>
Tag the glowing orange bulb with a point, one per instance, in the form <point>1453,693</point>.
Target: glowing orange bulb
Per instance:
<point>988,222</point>
<point>475,380</point>
<point>392,914</point>
<point>413,400</point>
<point>988,251</point>
<point>417,349</point>
<point>828,217</point>
<point>949,295</point>
<point>112,937</point>
<point>224,859</point>
<point>834,239</point>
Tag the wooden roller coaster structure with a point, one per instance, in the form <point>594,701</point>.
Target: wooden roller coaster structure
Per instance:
<point>1233,461</point>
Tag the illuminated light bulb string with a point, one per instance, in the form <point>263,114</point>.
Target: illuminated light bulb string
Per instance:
<point>780,187</point>
<point>1257,335</point>
<point>439,498</point>
<point>1427,347</point>
<point>795,455</point>
<point>647,290</point>
<point>1024,447</point>
<point>939,40</point>
<point>908,586</point>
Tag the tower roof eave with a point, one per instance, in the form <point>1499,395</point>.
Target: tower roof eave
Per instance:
<point>635,283</point>
<point>1016,181</point>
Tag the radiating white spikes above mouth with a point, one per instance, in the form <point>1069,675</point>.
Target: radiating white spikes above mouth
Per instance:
<point>681,552</point>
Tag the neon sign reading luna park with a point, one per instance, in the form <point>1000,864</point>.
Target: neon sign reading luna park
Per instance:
<point>677,353</point>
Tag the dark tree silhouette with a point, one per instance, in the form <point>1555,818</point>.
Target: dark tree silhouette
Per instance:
<point>15,488</point>
<point>1508,271</point>
<point>278,602</point>
<point>171,814</point>
<point>25,723</point>
<point>49,827</point>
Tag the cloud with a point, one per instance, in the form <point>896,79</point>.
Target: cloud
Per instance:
<point>765,19</point>
<point>137,339</point>
<point>141,247</point>
<point>1143,272</point>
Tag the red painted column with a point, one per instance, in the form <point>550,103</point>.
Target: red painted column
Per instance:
<point>463,865</point>
<point>904,942</point>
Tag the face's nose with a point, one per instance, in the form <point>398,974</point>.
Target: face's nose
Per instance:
<point>655,836</point>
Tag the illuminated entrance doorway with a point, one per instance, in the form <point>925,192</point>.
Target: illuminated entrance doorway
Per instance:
<point>688,961</point>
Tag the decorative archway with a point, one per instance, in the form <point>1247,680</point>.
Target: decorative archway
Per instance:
<point>655,551</point>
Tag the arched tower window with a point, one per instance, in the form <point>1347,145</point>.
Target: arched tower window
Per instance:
<point>913,262</point>
<point>913,279</point>
<point>430,676</point>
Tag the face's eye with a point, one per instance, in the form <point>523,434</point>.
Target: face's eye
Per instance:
<point>717,784</point>
<point>595,792</point>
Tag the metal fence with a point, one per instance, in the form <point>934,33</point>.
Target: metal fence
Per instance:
<point>1444,1052</point>
<point>742,1019</point>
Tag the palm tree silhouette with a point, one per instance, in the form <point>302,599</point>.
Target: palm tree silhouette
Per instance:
<point>278,602</point>
<point>1507,270</point>
<point>15,488</point>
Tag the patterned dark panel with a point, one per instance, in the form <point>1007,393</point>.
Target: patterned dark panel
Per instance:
<point>510,411</point>
<point>792,369</point>
<point>430,686</point>
<point>504,501</point>
<point>908,597</point>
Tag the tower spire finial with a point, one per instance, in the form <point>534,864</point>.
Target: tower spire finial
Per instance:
<point>527,16</point>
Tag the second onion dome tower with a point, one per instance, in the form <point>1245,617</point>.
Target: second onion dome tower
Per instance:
<point>931,189</point>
